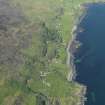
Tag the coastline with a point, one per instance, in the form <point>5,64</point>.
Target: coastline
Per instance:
<point>70,55</point>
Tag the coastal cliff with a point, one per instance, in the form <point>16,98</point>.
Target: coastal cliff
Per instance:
<point>36,56</point>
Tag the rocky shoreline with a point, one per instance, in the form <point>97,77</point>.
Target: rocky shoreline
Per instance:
<point>70,60</point>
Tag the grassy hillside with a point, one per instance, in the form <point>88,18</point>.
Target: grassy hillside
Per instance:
<point>34,35</point>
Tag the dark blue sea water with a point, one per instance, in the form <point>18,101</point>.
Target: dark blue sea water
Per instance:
<point>90,57</point>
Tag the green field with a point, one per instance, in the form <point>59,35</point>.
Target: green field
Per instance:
<point>33,69</point>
